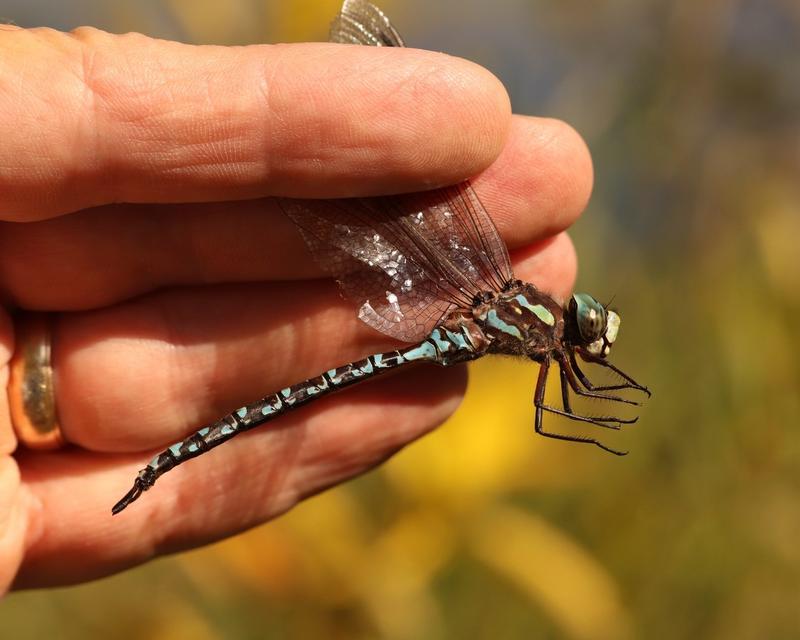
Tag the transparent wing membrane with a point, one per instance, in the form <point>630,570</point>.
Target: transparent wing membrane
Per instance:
<point>361,22</point>
<point>405,260</point>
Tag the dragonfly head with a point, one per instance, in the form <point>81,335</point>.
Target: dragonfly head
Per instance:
<point>594,328</point>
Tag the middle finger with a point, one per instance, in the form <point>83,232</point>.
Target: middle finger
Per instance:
<point>536,188</point>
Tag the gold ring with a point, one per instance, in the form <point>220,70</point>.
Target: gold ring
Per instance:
<point>31,390</point>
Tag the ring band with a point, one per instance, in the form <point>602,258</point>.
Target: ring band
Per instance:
<point>31,390</point>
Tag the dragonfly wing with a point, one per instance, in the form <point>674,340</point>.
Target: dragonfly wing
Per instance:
<point>360,22</point>
<point>408,259</point>
<point>465,235</point>
<point>395,295</point>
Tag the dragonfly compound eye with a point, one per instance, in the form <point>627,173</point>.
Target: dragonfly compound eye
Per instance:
<point>590,316</point>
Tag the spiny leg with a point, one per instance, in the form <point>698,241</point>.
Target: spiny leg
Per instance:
<point>566,370</point>
<point>629,384</point>
<point>599,421</point>
<point>538,401</point>
<point>605,363</point>
<point>588,383</point>
<point>607,422</point>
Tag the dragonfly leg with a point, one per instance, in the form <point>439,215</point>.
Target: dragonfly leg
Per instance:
<point>629,384</point>
<point>568,375</point>
<point>564,391</point>
<point>608,422</point>
<point>541,407</point>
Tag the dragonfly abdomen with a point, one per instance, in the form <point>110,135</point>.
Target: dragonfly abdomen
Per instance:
<point>443,347</point>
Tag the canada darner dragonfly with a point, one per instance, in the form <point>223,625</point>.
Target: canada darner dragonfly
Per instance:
<point>429,269</point>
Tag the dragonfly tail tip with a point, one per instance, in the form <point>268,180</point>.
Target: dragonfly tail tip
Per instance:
<point>129,497</point>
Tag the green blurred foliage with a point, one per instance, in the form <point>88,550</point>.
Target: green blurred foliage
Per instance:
<point>483,530</point>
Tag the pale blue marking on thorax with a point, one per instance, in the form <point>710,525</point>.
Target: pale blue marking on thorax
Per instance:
<point>540,311</point>
<point>493,320</point>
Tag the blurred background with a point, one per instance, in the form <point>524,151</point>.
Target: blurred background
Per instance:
<point>482,530</point>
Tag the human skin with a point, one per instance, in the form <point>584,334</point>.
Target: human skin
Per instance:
<point>135,184</point>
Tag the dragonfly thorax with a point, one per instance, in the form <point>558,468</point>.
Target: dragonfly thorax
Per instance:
<point>520,320</point>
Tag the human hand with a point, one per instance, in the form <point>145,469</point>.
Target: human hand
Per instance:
<point>168,314</point>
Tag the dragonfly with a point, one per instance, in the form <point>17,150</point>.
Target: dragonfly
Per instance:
<point>428,269</point>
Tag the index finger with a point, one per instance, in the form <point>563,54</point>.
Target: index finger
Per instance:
<point>91,118</point>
